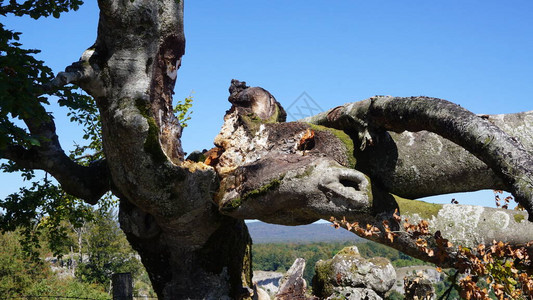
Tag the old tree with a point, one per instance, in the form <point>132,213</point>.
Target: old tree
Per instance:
<point>361,161</point>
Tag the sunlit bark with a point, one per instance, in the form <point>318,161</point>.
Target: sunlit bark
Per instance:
<point>186,219</point>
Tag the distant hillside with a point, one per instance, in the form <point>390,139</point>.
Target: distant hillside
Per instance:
<point>269,233</point>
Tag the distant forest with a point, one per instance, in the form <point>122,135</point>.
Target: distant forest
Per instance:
<point>280,256</point>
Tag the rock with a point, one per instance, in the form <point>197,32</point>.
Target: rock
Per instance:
<point>197,156</point>
<point>348,269</point>
<point>260,294</point>
<point>347,293</point>
<point>418,287</point>
<point>292,285</point>
<point>268,281</point>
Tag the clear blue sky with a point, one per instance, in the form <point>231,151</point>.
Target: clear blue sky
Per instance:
<point>478,54</point>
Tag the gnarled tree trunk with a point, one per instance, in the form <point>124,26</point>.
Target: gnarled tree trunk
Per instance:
<point>166,204</point>
<point>185,218</point>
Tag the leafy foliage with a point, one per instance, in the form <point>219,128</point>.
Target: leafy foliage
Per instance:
<point>24,93</point>
<point>501,270</point>
<point>39,8</point>
<point>104,250</point>
<point>17,270</point>
<point>182,108</point>
<point>22,276</point>
<point>22,79</point>
<point>84,112</point>
<point>108,251</point>
<point>67,287</point>
<point>43,206</point>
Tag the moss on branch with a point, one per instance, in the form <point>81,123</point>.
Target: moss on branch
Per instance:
<point>423,209</point>
<point>261,191</point>
<point>151,144</point>
<point>343,137</point>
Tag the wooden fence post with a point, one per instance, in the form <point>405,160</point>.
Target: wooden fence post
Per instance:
<point>122,286</point>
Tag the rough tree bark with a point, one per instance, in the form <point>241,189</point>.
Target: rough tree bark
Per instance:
<point>365,181</point>
<point>504,154</point>
<point>186,218</point>
<point>166,210</point>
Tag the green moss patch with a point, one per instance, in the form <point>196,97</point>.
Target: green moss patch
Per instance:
<point>519,218</point>
<point>252,122</point>
<point>233,204</point>
<point>343,137</point>
<point>261,191</point>
<point>321,285</point>
<point>143,107</point>
<point>348,251</point>
<point>423,209</point>
<point>151,144</point>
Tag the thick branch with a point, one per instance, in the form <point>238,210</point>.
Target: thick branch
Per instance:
<point>462,225</point>
<point>87,183</point>
<point>507,157</point>
<point>268,173</point>
<point>426,164</point>
<point>419,164</point>
<point>469,225</point>
<point>139,49</point>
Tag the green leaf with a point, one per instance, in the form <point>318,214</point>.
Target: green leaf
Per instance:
<point>34,142</point>
<point>182,108</point>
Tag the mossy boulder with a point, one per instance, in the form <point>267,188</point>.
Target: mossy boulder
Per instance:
<point>348,270</point>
